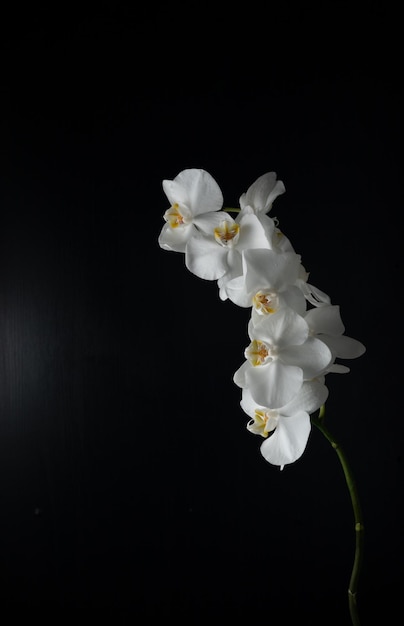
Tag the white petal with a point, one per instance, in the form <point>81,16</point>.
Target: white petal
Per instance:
<point>234,290</point>
<point>289,440</point>
<point>175,239</point>
<point>293,298</point>
<point>313,357</point>
<point>344,347</point>
<point>262,192</point>
<point>197,189</point>
<point>248,403</point>
<point>276,191</point>
<point>240,375</point>
<point>273,385</point>
<point>336,368</point>
<point>175,192</point>
<point>325,319</point>
<point>205,258</point>
<point>315,296</point>
<point>252,232</point>
<point>268,225</point>
<point>268,269</point>
<point>310,397</point>
<point>234,270</point>
<point>283,328</point>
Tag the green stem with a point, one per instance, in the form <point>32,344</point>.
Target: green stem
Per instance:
<point>231,210</point>
<point>353,583</point>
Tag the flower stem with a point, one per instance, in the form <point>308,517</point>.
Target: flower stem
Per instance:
<point>359,528</point>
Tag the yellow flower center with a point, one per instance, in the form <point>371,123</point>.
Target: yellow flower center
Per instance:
<point>263,422</point>
<point>227,233</point>
<point>258,352</point>
<point>265,303</point>
<point>174,216</point>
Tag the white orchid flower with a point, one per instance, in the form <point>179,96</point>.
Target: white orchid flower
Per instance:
<point>196,200</point>
<point>286,429</point>
<point>214,253</point>
<point>268,282</point>
<point>281,355</point>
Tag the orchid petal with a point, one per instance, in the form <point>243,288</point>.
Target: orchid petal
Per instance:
<point>283,328</point>
<point>313,357</point>
<point>310,397</point>
<point>315,296</point>
<point>289,440</point>
<point>239,377</point>
<point>337,368</point>
<point>205,258</point>
<point>195,188</point>
<point>262,192</point>
<point>293,297</point>
<point>273,385</point>
<point>266,268</point>
<point>175,192</point>
<point>175,240</point>
<point>248,403</point>
<point>234,289</point>
<point>252,232</point>
<point>325,319</point>
<point>344,347</point>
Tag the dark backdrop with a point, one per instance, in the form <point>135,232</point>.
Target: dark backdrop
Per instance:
<point>129,485</point>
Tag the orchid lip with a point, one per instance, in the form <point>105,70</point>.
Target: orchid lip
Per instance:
<point>259,352</point>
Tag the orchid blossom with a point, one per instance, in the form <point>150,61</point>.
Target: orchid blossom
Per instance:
<point>286,429</point>
<point>215,252</point>
<point>196,200</point>
<point>268,281</point>
<point>281,355</point>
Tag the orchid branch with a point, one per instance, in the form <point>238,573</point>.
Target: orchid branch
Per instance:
<point>359,528</point>
<point>295,332</point>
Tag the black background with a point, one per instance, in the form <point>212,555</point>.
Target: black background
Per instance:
<point>129,485</point>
